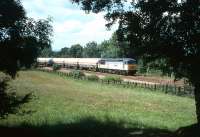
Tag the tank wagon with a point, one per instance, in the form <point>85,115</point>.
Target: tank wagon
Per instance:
<point>44,62</point>
<point>125,66</point>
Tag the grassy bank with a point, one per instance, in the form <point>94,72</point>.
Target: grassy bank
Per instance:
<point>59,103</point>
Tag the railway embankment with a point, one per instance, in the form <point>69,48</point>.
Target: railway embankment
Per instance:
<point>165,85</point>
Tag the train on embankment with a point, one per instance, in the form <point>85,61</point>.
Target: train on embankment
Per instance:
<point>123,66</point>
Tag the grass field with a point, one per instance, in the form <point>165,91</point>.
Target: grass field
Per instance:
<point>68,107</point>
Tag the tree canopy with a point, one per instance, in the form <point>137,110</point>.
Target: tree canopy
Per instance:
<point>21,38</point>
<point>76,51</point>
<point>91,50</point>
<point>64,53</point>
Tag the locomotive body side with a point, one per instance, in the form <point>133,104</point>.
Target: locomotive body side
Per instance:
<point>111,64</point>
<point>120,66</point>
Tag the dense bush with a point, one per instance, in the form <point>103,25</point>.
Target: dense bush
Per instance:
<point>56,67</point>
<point>112,78</point>
<point>92,78</point>
<point>4,79</point>
<point>9,101</point>
<point>77,74</point>
<point>4,100</point>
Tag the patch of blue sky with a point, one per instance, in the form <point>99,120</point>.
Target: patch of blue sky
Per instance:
<point>70,5</point>
<point>82,18</point>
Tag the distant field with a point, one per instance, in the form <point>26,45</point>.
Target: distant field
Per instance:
<point>61,102</point>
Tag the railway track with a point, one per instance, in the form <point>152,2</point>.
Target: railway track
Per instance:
<point>151,80</point>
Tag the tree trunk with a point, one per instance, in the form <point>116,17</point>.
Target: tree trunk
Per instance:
<point>197,101</point>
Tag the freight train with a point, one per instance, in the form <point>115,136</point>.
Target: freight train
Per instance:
<point>124,66</point>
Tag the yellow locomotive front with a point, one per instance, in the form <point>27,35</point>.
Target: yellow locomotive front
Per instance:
<point>131,66</point>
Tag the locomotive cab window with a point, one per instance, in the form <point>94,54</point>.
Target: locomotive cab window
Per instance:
<point>130,62</point>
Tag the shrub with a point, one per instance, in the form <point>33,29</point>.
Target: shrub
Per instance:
<point>112,78</point>
<point>9,101</point>
<point>92,78</point>
<point>77,74</point>
<point>4,79</point>
<point>4,99</point>
<point>56,67</point>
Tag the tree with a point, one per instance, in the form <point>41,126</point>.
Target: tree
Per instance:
<point>110,48</point>
<point>64,53</point>
<point>116,48</point>
<point>76,51</point>
<point>21,40</point>
<point>159,29</point>
<point>91,50</point>
<point>46,52</point>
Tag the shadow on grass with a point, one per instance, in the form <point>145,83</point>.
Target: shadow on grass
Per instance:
<point>9,103</point>
<point>88,127</point>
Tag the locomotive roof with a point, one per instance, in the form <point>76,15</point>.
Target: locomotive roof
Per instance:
<point>117,59</point>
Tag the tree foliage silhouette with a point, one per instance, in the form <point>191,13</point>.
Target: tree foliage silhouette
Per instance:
<point>21,40</point>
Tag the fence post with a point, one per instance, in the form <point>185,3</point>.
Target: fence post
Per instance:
<point>155,87</point>
<point>179,90</point>
<point>166,88</point>
<point>175,89</point>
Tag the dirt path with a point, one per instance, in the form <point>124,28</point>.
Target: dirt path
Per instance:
<point>152,80</point>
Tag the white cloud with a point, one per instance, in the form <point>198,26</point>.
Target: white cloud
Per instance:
<point>66,26</point>
<point>71,25</point>
<point>73,32</point>
<point>94,30</point>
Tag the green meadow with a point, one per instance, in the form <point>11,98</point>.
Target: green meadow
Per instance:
<point>63,106</point>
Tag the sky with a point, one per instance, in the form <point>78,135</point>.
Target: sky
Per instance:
<point>71,25</point>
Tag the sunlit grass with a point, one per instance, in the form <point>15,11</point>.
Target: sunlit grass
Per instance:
<point>64,100</point>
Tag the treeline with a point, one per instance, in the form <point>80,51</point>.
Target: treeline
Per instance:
<point>107,49</point>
